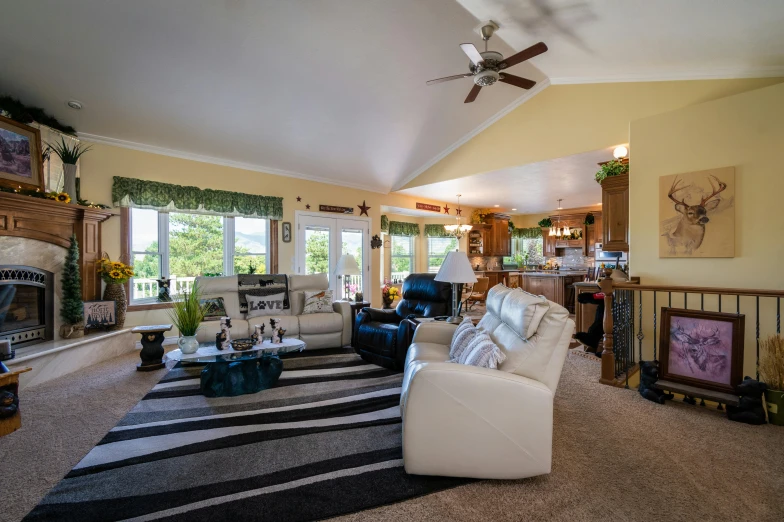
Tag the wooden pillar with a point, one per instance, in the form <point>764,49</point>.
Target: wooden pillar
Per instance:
<point>608,355</point>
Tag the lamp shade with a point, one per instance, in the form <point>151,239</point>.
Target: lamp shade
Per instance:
<point>347,265</point>
<point>456,269</point>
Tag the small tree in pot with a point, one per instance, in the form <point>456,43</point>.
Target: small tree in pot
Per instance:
<point>72,307</point>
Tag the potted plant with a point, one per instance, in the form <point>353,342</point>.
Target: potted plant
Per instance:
<point>187,313</point>
<point>69,156</point>
<point>546,223</point>
<point>611,168</point>
<point>771,369</point>
<point>115,274</point>
<point>71,306</point>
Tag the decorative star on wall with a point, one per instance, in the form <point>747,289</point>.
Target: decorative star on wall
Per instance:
<point>446,209</point>
<point>459,212</point>
<point>363,209</point>
<point>307,207</point>
<point>299,199</point>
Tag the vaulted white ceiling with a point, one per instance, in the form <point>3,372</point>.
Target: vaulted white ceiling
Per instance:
<point>334,90</point>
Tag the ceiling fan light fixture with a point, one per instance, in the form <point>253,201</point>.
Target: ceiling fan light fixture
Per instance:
<point>486,77</point>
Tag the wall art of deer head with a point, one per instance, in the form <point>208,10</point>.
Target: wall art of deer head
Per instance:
<point>696,198</point>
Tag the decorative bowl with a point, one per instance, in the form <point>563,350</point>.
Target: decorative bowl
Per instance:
<point>242,344</point>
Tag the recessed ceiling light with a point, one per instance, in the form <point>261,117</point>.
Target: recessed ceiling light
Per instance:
<point>75,105</point>
<point>496,206</point>
<point>514,209</point>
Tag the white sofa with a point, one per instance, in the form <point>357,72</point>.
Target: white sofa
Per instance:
<point>465,421</point>
<point>323,330</point>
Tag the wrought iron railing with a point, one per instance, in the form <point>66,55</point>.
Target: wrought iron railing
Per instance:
<point>633,318</point>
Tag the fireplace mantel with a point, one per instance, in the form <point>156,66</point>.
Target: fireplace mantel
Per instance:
<point>54,222</point>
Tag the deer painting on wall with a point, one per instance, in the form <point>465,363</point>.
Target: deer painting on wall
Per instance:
<point>697,214</point>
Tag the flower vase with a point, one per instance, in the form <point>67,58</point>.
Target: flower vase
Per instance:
<point>188,344</point>
<point>116,292</point>
<point>69,181</point>
<point>387,303</point>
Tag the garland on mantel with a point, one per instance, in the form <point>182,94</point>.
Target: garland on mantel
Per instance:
<point>140,193</point>
<point>14,109</point>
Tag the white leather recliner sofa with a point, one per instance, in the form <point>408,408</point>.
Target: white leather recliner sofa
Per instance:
<point>465,421</point>
<point>323,330</point>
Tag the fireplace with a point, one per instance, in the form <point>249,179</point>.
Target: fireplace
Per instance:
<point>26,305</point>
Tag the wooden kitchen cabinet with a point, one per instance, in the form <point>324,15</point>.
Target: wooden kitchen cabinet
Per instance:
<point>497,241</point>
<point>615,214</point>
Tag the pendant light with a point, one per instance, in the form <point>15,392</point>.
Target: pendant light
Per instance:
<point>458,230</point>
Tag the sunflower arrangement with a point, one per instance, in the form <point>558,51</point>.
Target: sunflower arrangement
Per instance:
<point>60,197</point>
<point>114,271</point>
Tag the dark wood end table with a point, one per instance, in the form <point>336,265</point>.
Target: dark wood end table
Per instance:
<point>152,346</point>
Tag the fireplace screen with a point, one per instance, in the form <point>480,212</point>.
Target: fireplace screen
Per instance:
<point>26,305</point>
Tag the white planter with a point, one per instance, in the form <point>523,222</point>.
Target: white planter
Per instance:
<point>69,181</point>
<point>188,344</point>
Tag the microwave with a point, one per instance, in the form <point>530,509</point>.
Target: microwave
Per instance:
<point>603,256</point>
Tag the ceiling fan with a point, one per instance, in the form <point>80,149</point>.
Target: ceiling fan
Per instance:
<point>486,68</point>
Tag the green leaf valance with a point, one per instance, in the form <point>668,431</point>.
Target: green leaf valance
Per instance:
<point>401,228</point>
<point>385,224</point>
<point>140,193</point>
<point>436,231</point>
<point>527,233</point>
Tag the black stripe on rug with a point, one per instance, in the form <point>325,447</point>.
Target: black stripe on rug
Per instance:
<point>191,390</point>
<point>137,505</point>
<point>229,441</point>
<point>298,415</point>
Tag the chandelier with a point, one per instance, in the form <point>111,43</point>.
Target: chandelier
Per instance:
<point>557,230</point>
<point>458,230</point>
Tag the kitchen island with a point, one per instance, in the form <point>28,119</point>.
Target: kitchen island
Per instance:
<point>555,285</point>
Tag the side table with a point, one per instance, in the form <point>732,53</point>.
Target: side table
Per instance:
<point>152,346</point>
<point>355,309</point>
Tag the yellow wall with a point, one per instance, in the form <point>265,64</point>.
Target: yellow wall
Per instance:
<point>104,161</point>
<point>570,119</point>
<point>745,131</point>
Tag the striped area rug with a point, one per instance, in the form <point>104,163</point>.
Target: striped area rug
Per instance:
<point>325,441</point>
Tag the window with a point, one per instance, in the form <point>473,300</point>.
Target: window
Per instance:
<point>437,248</point>
<point>533,247</point>
<point>402,256</point>
<point>183,246</point>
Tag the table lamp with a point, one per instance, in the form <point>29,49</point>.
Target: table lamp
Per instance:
<point>456,269</point>
<point>347,266</point>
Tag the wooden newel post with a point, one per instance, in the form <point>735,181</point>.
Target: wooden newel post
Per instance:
<point>608,355</point>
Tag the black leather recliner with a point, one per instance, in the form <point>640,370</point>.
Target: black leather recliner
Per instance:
<point>379,335</point>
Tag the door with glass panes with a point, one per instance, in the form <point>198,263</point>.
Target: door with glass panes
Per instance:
<point>321,240</point>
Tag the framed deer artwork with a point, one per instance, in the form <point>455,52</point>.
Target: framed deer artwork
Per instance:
<point>697,214</point>
<point>702,349</point>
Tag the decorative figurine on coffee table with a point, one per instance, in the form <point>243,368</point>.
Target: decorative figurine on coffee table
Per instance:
<point>277,335</point>
<point>258,334</point>
<point>223,338</point>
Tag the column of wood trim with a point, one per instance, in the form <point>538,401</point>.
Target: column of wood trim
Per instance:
<point>125,244</point>
<point>273,250</point>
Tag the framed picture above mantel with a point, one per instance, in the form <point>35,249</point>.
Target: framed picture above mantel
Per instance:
<point>20,156</point>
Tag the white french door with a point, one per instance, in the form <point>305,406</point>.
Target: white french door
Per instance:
<point>322,239</point>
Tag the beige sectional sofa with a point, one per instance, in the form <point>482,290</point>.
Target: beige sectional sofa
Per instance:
<point>322,330</point>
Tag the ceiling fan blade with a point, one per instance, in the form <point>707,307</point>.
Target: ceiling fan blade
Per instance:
<point>473,94</point>
<point>525,54</point>
<point>472,53</point>
<point>511,79</point>
<point>448,78</point>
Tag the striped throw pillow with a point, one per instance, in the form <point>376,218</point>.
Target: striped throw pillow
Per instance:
<point>461,341</point>
<point>462,327</point>
<point>482,352</point>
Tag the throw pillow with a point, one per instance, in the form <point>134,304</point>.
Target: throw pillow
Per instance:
<point>216,308</point>
<point>461,341</point>
<point>466,323</point>
<point>265,305</point>
<point>318,302</point>
<point>483,352</point>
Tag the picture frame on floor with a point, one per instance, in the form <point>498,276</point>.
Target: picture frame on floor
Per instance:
<point>20,156</point>
<point>702,349</point>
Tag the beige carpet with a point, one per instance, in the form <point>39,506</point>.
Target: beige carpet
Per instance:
<point>616,456</point>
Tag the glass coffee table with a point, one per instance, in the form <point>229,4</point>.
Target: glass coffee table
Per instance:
<point>231,372</point>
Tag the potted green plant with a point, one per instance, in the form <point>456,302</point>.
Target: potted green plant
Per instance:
<point>187,313</point>
<point>611,168</point>
<point>72,307</point>
<point>546,223</point>
<point>69,156</point>
<point>771,369</point>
